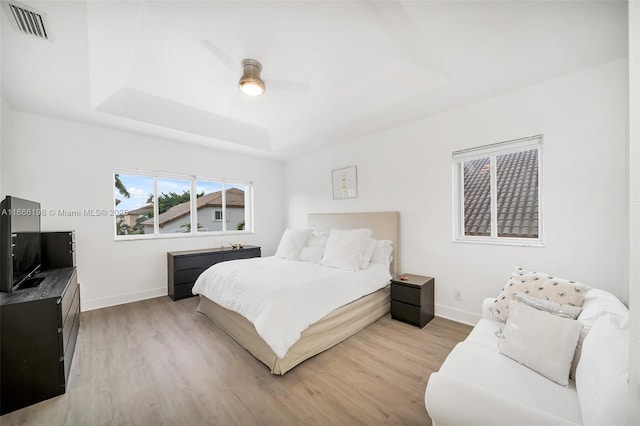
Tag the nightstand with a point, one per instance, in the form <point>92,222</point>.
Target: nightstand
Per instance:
<point>412,299</point>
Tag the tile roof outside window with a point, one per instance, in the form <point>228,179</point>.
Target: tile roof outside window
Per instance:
<point>517,183</point>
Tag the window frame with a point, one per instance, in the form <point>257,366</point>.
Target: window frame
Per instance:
<point>193,232</point>
<point>492,151</point>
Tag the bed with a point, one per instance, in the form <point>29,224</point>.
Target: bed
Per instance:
<point>321,334</point>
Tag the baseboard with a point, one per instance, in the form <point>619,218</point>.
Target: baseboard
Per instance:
<point>457,315</point>
<point>136,296</point>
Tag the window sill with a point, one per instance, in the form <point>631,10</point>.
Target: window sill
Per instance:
<point>119,238</point>
<point>500,242</point>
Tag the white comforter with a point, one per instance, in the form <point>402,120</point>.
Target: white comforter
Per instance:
<point>282,298</point>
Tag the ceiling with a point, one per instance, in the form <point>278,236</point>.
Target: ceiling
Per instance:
<point>355,67</point>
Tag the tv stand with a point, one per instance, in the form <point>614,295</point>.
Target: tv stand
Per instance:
<point>38,330</point>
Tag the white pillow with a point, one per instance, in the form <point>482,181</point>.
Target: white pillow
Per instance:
<point>368,253</point>
<point>382,253</point>
<point>318,239</point>
<point>311,254</point>
<point>345,247</point>
<point>558,309</point>
<point>598,303</point>
<point>540,285</point>
<point>602,374</point>
<point>292,242</point>
<point>541,341</point>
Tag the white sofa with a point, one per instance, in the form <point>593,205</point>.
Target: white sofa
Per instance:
<point>478,385</point>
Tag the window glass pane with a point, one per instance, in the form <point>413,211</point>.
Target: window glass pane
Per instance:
<point>174,206</point>
<point>236,201</point>
<point>517,194</point>
<point>209,206</point>
<point>477,197</point>
<point>134,197</point>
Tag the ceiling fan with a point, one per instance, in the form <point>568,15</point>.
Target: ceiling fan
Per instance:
<point>250,82</point>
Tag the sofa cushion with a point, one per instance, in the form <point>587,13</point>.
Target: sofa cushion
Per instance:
<point>600,302</point>
<point>498,374</point>
<point>528,340</point>
<point>540,285</point>
<point>602,374</point>
<point>485,334</point>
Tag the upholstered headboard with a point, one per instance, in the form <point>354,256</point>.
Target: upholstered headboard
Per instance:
<point>385,226</point>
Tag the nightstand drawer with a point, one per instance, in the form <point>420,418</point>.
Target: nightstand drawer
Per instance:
<point>405,312</point>
<point>406,294</point>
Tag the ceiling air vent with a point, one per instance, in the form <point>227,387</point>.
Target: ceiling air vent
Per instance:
<point>28,20</point>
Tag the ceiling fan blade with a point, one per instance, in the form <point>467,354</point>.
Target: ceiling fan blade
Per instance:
<point>234,66</point>
<point>292,86</point>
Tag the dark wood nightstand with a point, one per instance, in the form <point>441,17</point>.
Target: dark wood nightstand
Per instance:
<point>412,299</point>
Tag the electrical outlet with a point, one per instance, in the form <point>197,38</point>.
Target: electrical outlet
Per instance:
<point>457,295</point>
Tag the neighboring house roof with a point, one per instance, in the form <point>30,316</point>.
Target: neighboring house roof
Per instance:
<point>141,210</point>
<point>517,195</point>
<point>234,196</point>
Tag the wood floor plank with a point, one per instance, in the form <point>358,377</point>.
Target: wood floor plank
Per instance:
<point>159,362</point>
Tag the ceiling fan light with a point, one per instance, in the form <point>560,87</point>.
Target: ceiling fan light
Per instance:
<point>252,87</point>
<point>250,83</point>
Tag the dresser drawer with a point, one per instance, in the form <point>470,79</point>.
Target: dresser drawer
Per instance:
<point>406,294</point>
<point>68,356</point>
<point>241,254</point>
<point>187,275</point>
<point>183,290</point>
<point>74,312</point>
<point>196,261</point>
<point>67,299</point>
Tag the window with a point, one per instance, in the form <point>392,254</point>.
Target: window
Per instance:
<point>497,193</point>
<point>151,205</point>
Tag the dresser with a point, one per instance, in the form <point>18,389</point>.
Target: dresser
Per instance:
<point>412,299</point>
<point>38,331</point>
<point>184,267</point>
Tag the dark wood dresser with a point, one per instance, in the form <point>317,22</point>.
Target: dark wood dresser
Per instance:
<point>184,267</point>
<point>38,331</point>
<point>412,300</point>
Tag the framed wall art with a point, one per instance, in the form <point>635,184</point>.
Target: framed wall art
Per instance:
<point>345,183</point>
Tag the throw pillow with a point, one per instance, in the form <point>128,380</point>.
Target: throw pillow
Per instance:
<point>311,254</point>
<point>541,341</point>
<point>602,374</point>
<point>382,253</point>
<point>541,286</point>
<point>368,253</point>
<point>555,308</point>
<point>292,242</point>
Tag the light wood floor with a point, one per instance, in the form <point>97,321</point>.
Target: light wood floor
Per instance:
<point>160,362</point>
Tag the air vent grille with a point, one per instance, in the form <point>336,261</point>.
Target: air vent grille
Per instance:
<point>28,20</point>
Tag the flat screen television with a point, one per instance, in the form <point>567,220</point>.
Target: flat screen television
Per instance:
<point>20,247</point>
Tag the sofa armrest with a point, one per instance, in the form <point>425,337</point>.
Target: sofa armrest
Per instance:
<point>486,308</point>
<point>451,400</point>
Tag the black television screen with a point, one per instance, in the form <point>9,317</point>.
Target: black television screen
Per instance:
<point>20,241</point>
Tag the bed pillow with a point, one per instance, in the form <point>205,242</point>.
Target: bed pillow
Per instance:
<point>382,253</point>
<point>602,374</point>
<point>541,341</point>
<point>345,248</point>
<point>318,239</point>
<point>292,242</point>
<point>541,286</point>
<point>370,247</point>
<point>311,254</point>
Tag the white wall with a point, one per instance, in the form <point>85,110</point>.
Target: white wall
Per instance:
<point>66,165</point>
<point>634,208</point>
<point>583,119</point>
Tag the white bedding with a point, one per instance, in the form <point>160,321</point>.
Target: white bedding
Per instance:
<point>282,297</point>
